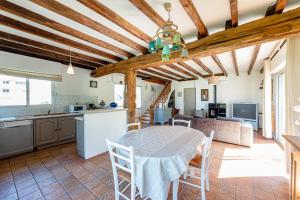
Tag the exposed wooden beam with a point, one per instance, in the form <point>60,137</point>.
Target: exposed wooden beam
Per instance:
<point>236,68</point>
<point>192,12</point>
<point>170,72</point>
<point>153,76</point>
<point>27,14</point>
<point>157,81</point>
<point>218,74</point>
<point>254,57</point>
<point>130,82</point>
<point>50,36</point>
<point>44,57</point>
<point>202,65</point>
<point>145,8</point>
<point>234,12</point>
<point>256,32</point>
<point>220,65</point>
<point>15,38</point>
<point>114,17</point>
<point>161,74</point>
<point>186,66</point>
<point>279,6</point>
<point>54,55</point>
<point>172,66</point>
<point>65,11</point>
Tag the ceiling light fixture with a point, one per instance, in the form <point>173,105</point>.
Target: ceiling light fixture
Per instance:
<point>213,80</point>
<point>168,39</point>
<point>70,69</point>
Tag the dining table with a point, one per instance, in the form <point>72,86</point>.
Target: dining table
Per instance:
<point>161,156</point>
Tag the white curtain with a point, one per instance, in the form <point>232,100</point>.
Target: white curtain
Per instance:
<point>292,73</point>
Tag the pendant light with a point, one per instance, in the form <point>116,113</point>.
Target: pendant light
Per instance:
<point>70,69</point>
<point>213,80</point>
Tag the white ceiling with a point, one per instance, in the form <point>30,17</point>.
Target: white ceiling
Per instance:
<point>214,13</point>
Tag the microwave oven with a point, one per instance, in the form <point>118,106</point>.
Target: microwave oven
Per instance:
<point>77,108</point>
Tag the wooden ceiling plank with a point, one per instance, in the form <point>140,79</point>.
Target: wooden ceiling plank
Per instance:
<point>236,68</point>
<point>234,12</point>
<point>202,65</point>
<point>259,31</point>
<point>152,76</point>
<point>114,17</point>
<point>170,72</point>
<point>37,18</point>
<point>35,50</point>
<point>160,74</point>
<point>51,36</point>
<point>145,8</point>
<point>15,38</point>
<point>279,6</point>
<point>172,66</point>
<point>220,65</point>
<point>61,9</point>
<point>192,12</point>
<point>218,74</point>
<point>186,66</point>
<point>254,57</point>
<point>44,57</point>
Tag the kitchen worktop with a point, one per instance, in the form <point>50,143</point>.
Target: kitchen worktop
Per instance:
<point>32,117</point>
<point>293,140</point>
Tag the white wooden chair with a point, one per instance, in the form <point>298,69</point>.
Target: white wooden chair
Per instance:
<point>138,124</point>
<point>187,122</point>
<point>199,167</point>
<point>122,160</point>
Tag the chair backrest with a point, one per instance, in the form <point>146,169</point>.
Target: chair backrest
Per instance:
<point>122,158</point>
<point>181,121</point>
<point>206,154</point>
<point>138,124</point>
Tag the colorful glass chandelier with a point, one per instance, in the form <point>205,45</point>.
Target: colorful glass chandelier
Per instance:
<point>167,39</point>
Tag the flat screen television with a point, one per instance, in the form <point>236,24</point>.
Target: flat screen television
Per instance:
<point>245,111</point>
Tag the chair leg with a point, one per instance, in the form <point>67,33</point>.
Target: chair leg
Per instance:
<point>207,183</point>
<point>202,189</point>
<point>117,196</point>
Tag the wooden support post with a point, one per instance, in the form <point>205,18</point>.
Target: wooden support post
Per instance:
<point>130,96</point>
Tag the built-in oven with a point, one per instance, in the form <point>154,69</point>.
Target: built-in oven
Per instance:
<point>77,108</point>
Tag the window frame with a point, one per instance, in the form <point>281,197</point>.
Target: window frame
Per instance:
<point>27,105</point>
<point>123,95</point>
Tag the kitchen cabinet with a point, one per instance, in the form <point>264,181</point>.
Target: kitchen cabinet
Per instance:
<point>54,130</point>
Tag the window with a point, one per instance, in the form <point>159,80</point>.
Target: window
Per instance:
<point>16,91</point>
<point>119,95</point>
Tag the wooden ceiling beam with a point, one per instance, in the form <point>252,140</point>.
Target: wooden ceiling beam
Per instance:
<point>170,72</point>
<point>220,65</point>
<point>202,65</point>
<point>152,76</point>
<point>192,12</point>
<point>15,38</point>
<point>254,57</point>
<point>279,6</point>
<point>115,18</point>
<point>145,8</point>
<point>39,56</point>
<point>61,9</point>
<point>172,66</point>
<point>189,68</point>
<point>236,68</point>
<point>161,74</point>
<point>234,13</point>
<point>51,36</point>
<point>27,14</point>
<point>267,29</point>
<point>218,74</point>
<point>54,55</point>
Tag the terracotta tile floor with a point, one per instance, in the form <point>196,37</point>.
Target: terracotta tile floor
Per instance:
<point>237,172</point>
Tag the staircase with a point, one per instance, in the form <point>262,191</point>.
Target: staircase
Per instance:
<point>148,116</point>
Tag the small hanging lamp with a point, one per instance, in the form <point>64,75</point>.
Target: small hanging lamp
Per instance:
<point>152,47</point>
<point>70,69</point>
<point>213,80</point>
<point>166,53</point>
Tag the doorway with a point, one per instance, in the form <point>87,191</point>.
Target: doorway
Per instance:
<point>280,107</point>
<point>189,101</point>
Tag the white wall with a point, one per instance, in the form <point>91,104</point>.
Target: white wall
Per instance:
<point>76,85</point>
<point>242,88</point>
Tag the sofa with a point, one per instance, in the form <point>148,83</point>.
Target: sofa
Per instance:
<point>226,129</point>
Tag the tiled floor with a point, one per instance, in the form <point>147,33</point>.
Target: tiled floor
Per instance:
<point>237,172</point>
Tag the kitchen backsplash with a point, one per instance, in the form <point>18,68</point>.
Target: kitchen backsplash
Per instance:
<point>59,104</point>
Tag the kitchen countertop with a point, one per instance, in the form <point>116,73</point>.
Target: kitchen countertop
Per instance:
<point>32,117</point>
<point>293,140</point>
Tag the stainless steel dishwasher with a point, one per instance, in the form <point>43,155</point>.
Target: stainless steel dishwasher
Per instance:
<point>16,137</point>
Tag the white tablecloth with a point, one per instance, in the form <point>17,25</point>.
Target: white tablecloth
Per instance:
<point>162,154</point>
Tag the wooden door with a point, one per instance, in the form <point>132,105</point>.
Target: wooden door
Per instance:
<point>189,101</point>
<point>66,128</point>
<point>45,131</point>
